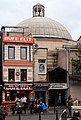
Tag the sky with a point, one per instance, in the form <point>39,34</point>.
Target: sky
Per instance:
<point>66,12</point>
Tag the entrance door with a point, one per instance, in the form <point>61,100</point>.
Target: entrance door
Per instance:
<point>57,98</point>
<point>52,98</point>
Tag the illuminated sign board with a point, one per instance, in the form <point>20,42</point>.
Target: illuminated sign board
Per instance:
<point>18,39</point>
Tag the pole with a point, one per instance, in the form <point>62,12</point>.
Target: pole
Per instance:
<point>57,115</point>
<point>19,117</point>
<point>54,103</point>
<point>54,108</point>
<point>68,69</point>
<point>39,115</point>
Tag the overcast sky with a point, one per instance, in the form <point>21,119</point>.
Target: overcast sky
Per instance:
<point>66,12</point>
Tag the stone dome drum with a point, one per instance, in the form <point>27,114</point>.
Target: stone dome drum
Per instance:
<point>41,26</point>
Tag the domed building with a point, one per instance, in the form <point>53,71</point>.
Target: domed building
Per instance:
<point>51,40</point>
<point>48,33</point>
<point>41,26</point>
<point>50,56</point>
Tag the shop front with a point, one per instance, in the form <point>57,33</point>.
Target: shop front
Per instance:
<point>41,91</point>
<point>11,91</point>
<point>57,94</point>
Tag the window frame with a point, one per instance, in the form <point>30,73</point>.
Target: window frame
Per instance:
<point>21,53</point>
<point>9,78</point>
<point>13,57</point>
<point>22,76</point>
<point>42,64</point>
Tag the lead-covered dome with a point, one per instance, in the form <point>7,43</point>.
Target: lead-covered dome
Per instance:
<point>40,26</point>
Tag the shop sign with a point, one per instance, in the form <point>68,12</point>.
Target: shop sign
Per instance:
<point>17,87</point>
<point>40,88</point>
<point>58,86</point>
<point>20,39</point>
<point>41,84</point>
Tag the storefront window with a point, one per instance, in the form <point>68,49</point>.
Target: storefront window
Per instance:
<point>11,74</point>
<point>23,74</point>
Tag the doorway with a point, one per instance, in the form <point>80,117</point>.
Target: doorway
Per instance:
<point>57,98</point>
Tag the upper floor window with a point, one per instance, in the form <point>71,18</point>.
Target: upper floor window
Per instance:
<point>23,52</point>
<point>11,74</point>
<point>11,52</point>
<point>23,74</point>
<point>41,66</point>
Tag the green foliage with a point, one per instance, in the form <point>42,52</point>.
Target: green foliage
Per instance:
<point>76,63</point>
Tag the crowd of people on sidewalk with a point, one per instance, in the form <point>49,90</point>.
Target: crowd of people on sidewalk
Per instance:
<point>69,113</point>
<point>20,104</point>
<point>35,106</point>
<point>38,106</point>
<point>72,102</point>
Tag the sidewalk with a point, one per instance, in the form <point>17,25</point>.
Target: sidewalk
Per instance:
<point>50,110</point>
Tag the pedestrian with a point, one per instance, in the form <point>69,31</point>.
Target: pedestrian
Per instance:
<point>44,107</point>
<point>2,115</point>
<point>24,102</point>
<point>17,99</point>
<point>70,103</point>
<point>75,102</point>
<point>64,116</point>
<point>31,107</point>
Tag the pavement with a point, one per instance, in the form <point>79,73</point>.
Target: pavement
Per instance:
<point>50,110</point>
<point>51,114</point>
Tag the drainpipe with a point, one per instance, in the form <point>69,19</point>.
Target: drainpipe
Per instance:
<point>68,69</point>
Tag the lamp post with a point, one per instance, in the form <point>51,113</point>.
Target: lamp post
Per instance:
<point>1,62</point>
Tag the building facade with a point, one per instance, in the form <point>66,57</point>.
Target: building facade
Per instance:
<point>17,66</point>
<point>49,53</point>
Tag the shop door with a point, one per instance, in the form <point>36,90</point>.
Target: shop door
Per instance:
<point>52,98</point>
<point>57,98</point>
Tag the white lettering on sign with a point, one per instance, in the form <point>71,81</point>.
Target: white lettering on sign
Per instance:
<point>28,39</point>
<point>18,87</point>
<point>58,86</point>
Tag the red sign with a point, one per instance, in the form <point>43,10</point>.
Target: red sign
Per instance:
<point>19,39</point>
<point>17,87</point>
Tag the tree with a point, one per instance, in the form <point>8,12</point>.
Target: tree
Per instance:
<point>76,63</point>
